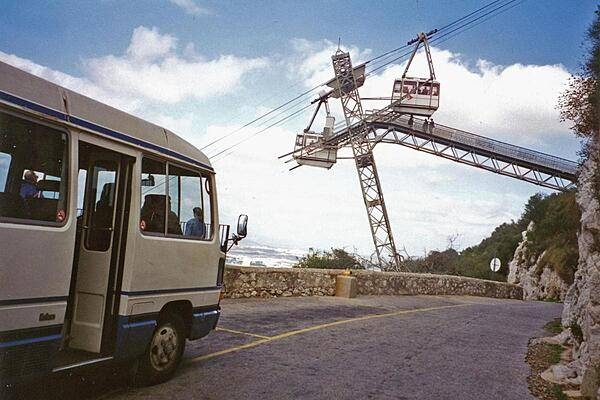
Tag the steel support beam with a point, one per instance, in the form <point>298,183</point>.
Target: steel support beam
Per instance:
<point>362,139</point>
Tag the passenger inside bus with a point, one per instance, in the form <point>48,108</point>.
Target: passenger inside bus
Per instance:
<point>29,187</point>
<point>195,226</point>
<point>28,151</point>
<point>153,215</point>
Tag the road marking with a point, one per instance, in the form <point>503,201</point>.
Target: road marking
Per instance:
<point>268,339</point>
<point>243,333</point>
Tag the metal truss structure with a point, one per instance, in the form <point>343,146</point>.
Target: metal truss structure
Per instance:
<point>362,141</point>
<point>363,131</point>
<point>471,149</point>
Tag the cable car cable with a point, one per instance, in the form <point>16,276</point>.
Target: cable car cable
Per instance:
<point>439,30</point>
<point>262,116</point>
<point>436,39</point>
<point>262,130</point>
<point>318,86</point>
<point>277,115</point>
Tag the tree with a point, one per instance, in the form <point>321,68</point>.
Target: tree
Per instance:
<point>580,102</point>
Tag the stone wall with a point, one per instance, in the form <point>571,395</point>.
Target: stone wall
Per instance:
<point>273,282</point>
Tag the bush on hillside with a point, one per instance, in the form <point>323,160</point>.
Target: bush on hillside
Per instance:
<point>334,259</point>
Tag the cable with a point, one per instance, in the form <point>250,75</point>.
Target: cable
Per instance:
<point>468,15</point>
<point>262,116</point>
<point>277,115</point>
<point>384,55</point>
<point>468,24</point>
<point>262,130</point>
<point>437,38</point>
<point>479,23</point>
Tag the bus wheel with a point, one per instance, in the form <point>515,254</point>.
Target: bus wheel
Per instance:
<point>163,353</point>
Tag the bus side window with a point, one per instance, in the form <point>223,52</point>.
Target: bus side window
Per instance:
<point>153,197</point>
<point>33,171</point>
<point>207,194</point>
<point>190,204</point>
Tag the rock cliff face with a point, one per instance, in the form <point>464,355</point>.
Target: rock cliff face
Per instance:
<point>539,281</point>
<point>582,303</point>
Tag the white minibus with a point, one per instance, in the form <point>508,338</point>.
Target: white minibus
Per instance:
<point>110,243</point>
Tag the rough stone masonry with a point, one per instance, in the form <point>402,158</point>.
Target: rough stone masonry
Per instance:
<point>246,282</point>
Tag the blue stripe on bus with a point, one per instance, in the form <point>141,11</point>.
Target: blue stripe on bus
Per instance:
<point>22,342</point>
<point>32,106</point>
<point>33,300</point>
<point>138,324</point>
<point>98,128</point>
<point>166,291</point>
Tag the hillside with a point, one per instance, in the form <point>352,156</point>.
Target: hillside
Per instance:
<point>552,243</point>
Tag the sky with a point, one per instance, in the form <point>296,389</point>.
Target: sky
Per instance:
<point>205,68</point>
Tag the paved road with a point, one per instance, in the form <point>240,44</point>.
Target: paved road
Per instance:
<point>372,347</point>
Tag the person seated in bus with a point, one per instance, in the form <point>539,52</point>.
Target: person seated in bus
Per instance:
<point>29,188</point>
<point>153,215</point>
<point>173,225</point>
<point>195,226</point>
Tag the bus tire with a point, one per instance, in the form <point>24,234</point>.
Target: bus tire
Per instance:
<point>163,354</point>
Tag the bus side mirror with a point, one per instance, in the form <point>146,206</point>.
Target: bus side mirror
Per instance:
<point>227,242</point>
<point>242,228</point>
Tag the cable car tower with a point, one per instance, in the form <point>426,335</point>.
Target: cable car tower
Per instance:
<point>410,95</point>
<point>395,124</point>
<point>362,149</point>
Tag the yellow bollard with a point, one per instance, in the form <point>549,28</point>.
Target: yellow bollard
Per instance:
<point>345,285</point>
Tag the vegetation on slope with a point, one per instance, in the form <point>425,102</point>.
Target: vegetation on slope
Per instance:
<point>554,234</point>
<point>334,259</point>
<point>556,221</point>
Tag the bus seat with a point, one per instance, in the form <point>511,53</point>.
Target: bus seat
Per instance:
<point>11,205</point>
<point>42,209</point>
<point>153,212</point>
<point>46,185</point>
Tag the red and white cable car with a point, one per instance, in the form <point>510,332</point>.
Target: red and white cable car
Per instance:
<point>310,147</point>
<point>417,96</point>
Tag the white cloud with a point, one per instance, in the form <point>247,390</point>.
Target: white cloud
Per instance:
<point>150,72</point>
<point>428,198</point>
<point>190,7</point>
<point>311,61</point>
<point>148,45</point>
<point>514,103</point>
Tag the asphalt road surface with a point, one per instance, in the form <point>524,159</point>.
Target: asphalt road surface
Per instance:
<point>371,347</point>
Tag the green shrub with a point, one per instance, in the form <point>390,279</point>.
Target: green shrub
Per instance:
<point>335,259</point>
<point>576,331</point>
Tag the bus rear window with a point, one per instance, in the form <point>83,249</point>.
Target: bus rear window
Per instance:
<point>33,171</point>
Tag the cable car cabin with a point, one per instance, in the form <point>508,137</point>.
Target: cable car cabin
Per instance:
<point>307,151</point>
<point>110,246</point>
<point>416,96</point>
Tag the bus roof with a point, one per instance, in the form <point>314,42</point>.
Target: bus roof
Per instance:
<point>25,90</point>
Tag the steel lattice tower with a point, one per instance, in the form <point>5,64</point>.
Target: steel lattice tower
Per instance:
<point>362,148</point>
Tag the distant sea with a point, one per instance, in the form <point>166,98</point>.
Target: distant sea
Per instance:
<point>258,255</point>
